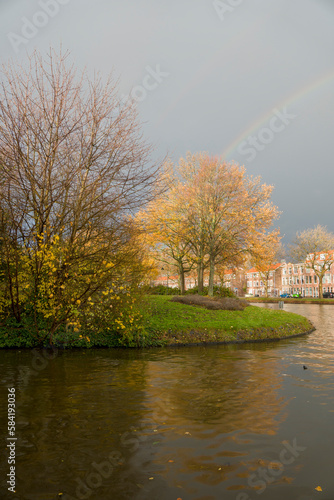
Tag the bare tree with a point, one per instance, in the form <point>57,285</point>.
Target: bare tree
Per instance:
<point>266,260</point>
<point>74,165</point>
<point>315,247</point>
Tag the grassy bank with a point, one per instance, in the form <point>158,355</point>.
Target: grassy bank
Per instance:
<point>167,323</point>
<point>174,324</point>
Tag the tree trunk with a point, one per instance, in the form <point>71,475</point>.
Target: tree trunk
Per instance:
<point>320,287</point>
<point>181,278</point>
<point>266,286</point>
<point>200,276</point>
<point>211,275</point>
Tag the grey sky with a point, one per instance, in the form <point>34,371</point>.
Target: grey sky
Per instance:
<point>251,79</point>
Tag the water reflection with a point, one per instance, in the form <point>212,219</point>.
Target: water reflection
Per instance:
<point>191,423</point>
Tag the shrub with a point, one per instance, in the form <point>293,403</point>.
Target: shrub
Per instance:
<point>163,290</point>
<point>225,303</point>
<point>218,291</point>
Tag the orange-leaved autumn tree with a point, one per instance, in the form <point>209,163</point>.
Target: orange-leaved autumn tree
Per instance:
<point>164,222</point>
<point>213,214</point>
<point>228,212</point>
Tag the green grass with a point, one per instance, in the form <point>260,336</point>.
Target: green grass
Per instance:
<point>166,323</point>
<point>175,323</point>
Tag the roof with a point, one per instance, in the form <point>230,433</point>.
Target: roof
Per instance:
<point>165,278</point>
<point>273,267</point>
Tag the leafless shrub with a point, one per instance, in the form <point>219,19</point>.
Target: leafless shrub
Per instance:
<point>226,303</point>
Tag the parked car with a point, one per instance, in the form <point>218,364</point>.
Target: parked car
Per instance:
<point>328,295</point>
<point>297,296</point>
<point>285,296</point>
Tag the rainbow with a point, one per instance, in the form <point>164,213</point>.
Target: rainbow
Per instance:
<point>292,99</point>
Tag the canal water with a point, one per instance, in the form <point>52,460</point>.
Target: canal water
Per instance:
<point>202,423</point>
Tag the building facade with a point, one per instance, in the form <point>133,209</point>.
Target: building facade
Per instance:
<point>260,284</point>
<point>289,278</point>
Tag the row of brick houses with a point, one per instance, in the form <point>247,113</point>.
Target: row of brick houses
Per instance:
<point>283,278</point>
<point>289,278</point>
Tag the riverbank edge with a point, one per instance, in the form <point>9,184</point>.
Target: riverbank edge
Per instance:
<point>176,344</point>
<point>242,341</point>
<point>161,333</point>
<point>172,345</point>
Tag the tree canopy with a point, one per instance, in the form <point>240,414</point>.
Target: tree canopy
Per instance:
<point>212,214</point>
<point>74,167</point>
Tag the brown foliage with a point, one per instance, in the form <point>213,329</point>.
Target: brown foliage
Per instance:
<point>226,303</point>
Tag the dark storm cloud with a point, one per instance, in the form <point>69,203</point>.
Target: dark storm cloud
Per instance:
<point>211,76</point>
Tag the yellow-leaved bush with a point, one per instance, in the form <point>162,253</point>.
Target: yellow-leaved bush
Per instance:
<point>58,293</point>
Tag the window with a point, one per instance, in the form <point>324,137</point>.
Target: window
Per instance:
<point>290,270</point>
